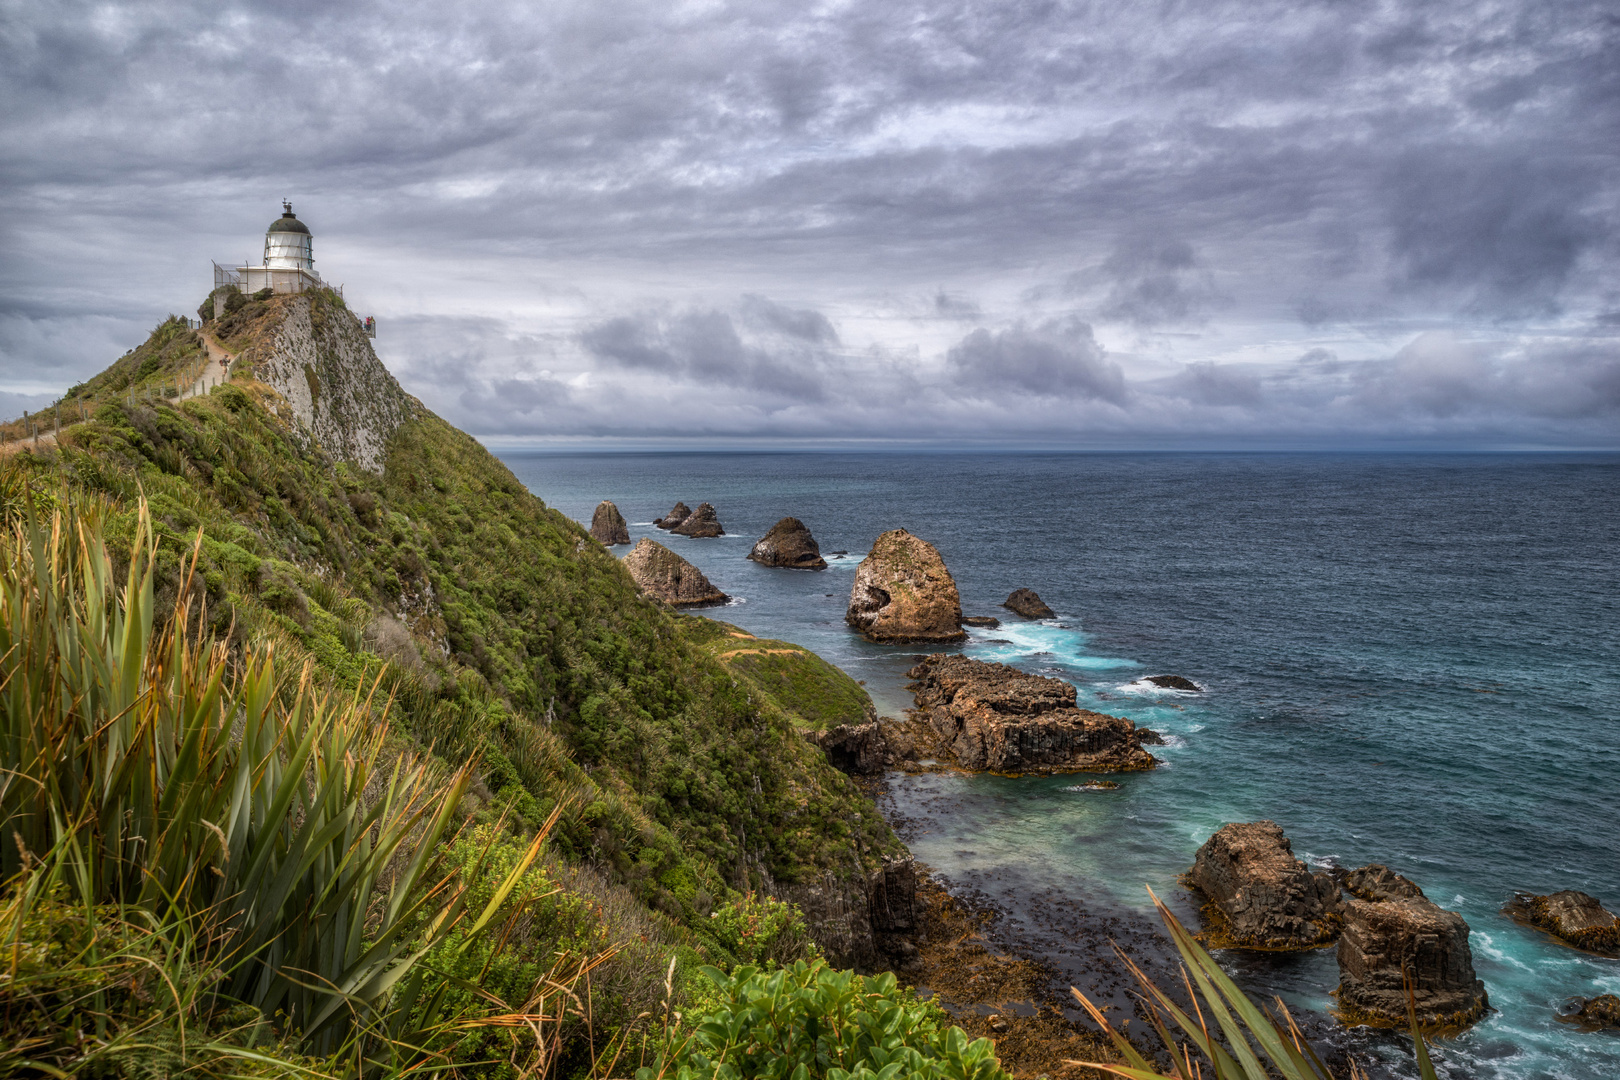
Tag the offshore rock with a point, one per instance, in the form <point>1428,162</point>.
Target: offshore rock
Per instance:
<point>903,592</point>
<point>1025,602</point>
<point>856,749</point>
<point>987,622</point>
<point>1592,1013</point>
<point>674,517</point>
<point>1259,895</point>
<point>1576,918</point>
<point>1392,934</point>
<point>994,718</point>
<point>608,525</point>
<point>664,575</point>
<point>700,523</point>
<point>789,544</point>
<point>1175,682</point>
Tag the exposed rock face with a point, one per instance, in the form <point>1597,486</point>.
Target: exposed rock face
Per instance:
<point>701,522</point>
<point>1592,1013</point>
<point>1174,682</point>
<point>674,517</point>
<point>903,592</point>
<point>789,544</point>
<point>988,622</point>
<point>867,922</point>
<point>1026,603</point>
<point>892,902</point>
<point>666,576</point>
<point>1393,933</point>
<point>608,525</point>
<point>320,361</point>
<point>1576,918</point>
<point>990,717</point>
<point>1261,895</point>
<point>856,749</point>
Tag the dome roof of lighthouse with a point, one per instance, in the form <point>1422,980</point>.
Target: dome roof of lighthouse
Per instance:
<point>288,223</point>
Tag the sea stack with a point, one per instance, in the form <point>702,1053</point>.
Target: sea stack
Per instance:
<point>674,517</point>
<point>664,575</point>
<point>788,544</point>
<point>1260,896</point>
<point>608,525</point>
<point>1392,934</point>
<point>903,592</point>
<point>1027,603</point>
<point>995,718</point>
<point>700,523</point>
<point>1575,918</point>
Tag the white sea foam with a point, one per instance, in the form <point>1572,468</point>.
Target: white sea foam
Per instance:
<point>1149,689</point>
<point>735,601</point>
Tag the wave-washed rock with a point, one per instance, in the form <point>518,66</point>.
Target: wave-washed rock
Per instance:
<point>856,749</point>
<point>789,544</point>
<point>1393,935</point>
<point>700,523</point>
<point>679,513</point>
<point>1592,1013</point>
<point>1174,682</point>
<point>1576,918</point>
<point>608,525</point>
<point>666,576</point>
<point>1260,896</point>
<point>994,718</point>
<point>1027,603</point>
<point>903,592</point>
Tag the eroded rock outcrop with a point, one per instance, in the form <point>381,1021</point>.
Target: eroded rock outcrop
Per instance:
<point>1259,895</point>
<point>856,749</point>
<point>903,592</point>
<point>789,544</point>
<point>699,524</point>
<point>1392,934</point>
<point>664,575</point>
<point>1592,1013</point>
<point>608,525</point>
<point>1575,918</point>
<point>678,514</point>
<point>1025,602</point>
<point>1175,682</point>
<point>994,718</point>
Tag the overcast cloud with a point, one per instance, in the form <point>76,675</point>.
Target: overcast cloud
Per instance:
<point>1087,223</point>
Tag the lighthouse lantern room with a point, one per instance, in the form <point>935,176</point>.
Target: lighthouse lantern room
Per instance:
<point>288,265</point>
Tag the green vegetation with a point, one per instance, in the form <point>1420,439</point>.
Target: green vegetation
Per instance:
<point>809,692</point>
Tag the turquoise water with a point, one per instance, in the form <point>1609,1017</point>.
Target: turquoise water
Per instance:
<point>1406,659</point>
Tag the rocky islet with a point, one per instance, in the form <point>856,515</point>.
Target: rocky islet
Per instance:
<point>608,525</point>
<point>699,524</point>
<point>1259,895</point>
<point>1577,919</point>
<point>1027,602</point>
<point>676,515</point>
<point>664,575</point>
<point>904,593</point>
<point>788,544</point>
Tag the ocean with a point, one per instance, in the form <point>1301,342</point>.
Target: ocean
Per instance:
<point>1406,659</point>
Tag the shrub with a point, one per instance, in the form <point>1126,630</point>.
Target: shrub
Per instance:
<point>810,1021</point>
<point>762,931</point>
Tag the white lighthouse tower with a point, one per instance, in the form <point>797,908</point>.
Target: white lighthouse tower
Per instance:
<point>289,259</point>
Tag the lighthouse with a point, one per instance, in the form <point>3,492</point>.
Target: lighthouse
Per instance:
<point>288,265</point>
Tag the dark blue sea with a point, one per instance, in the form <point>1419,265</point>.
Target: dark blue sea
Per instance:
<point>1407,659</point>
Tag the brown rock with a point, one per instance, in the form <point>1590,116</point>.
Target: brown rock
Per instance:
<point>789,544</point>
<point>664,575</point>
<point>608,525</point>
<point>699,523</point>
<point>1593,1013</point>
<point>1575,918</point>
<point>903,592</point>
<point>1259,895</point>
<point>674,517</point>
<point>988,622</point>
<point>856,749</point>
<point>1394,934</point>
<point>1025,602</point>
<point>994,718</point>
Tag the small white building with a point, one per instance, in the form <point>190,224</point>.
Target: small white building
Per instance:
<point>289,260</point>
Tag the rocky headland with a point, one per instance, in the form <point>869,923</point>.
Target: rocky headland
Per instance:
<point>903,592</point>
<point>700,523</point>
<point>1027,603</point>
<point>1577,919</point>
<point>994,718</point>
<point>1259,895</point>
<point>788,544</point>
<point>1394,936</point>
<point>664,575</point>
<point>608,525</point>
<point>677,514</point>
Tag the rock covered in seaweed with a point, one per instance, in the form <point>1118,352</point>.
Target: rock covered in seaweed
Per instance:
<point>994,718</point>
<point>608,525</point>
<point>1392,934</point>
<point>1576,918</point>
<point>700,523</point>
<point>678,514</point>
<point>903,592</point>
<point>1025,602</point>
<point>666,576</point>
<point>1593,1013</point>
<point>789,544</point>
<point>1260,895</point>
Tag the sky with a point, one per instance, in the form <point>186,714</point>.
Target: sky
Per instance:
<point>948,222</point>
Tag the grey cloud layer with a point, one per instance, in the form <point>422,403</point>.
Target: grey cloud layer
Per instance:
<point>1149,176</point>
